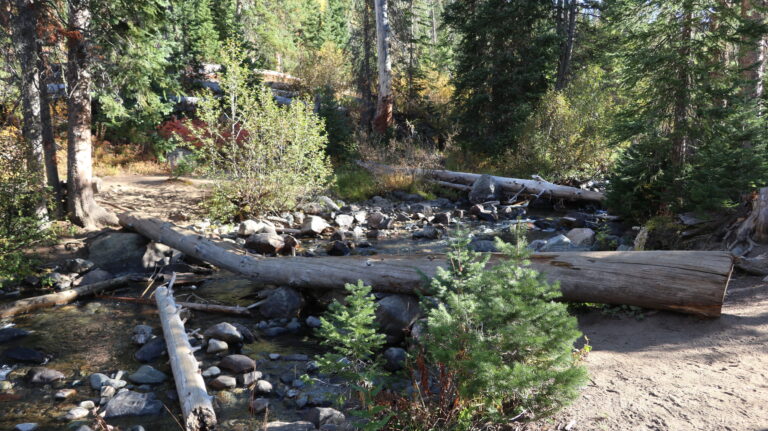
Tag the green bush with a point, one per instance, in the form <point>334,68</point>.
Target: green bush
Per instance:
<point>263,156</point>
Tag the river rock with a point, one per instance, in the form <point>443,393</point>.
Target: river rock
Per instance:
<point>130,403</point>
<point>283,302</point>
<point>263,387</point>
<point>378,220</point>
<point>118,251</point>
<point>223,382</point>
<point>428,232</point>
<point>211,372</point>
<point>483,246</point>
<point>216,346</point>
<point>484,189</point>
<point>43,375</point>
<point>97,380</point>
<point>443,218</point>
<point>151,351</point>
<point>238,364</point>
<point>78,266</point>
<point>583,236</point>
<point>314,226</point>
<point>148,375</point>
<point>313,322</point>
<point>249,227</point>
<point>94,276</point>
<point>25,355</point>
<point>395,358</point>
<point>395,314</point>
<point>320,416</point>
<point>58,281</point>
<point>258,405</point>
<point>289,426</point>
<point>141,334</point>
<point>339,248</point>
<point>8,334</point>
<point>63,394</point>
<point>246,379</point>
<point>87,404</point>
<point>557,243</point>
<point>28,426</point>
<point>265,243</point>
<point>224,331</point>
<point>483,214</point>
<point>76,413</point>
<point>344,221</point>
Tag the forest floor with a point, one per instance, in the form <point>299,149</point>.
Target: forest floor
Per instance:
<point>665,371</point>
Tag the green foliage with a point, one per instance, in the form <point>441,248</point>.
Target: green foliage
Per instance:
<point>503,335</point>
<point>264,157</point>
<point>354,183</point>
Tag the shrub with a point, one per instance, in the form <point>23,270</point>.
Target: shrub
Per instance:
<point>265,157</point>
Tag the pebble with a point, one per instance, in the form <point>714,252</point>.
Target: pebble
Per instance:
<point>76,413</point>
<point>223,382</point>
<point>87,404</point>
<point>238,364</point>
<point>63,394</point>
<point>274,356</point>
<point>215,346</point>
<point>263,386</point>
<point>211,372</point>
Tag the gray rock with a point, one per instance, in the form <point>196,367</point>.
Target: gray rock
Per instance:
<point>43,375</point>
<point>8,334</point>
<point>320,416</point>
<point>94,276</point>
<point>395,314</point>
<point>339,248</point>
<point>76,413</point>
<point>78,265</point>
<point>87,404</point>
<point>428,232</point>
<point>344,221</point>
<point>97,380</point>
<point>263,387</point>
<point>146,374</point>
<point>223,382</point>
<point>483,246</point>
<point>250,227</point>
<point>274,356</point>
<point>58,281</point>
<point>265,243</point>
<point>118,251</point>
<point>259,405</point>
<point>246,379</point>
<point>313,322</point>
<point>63,394</point>
<point>289,426</point>
<point>141,334</point>
<point>283,302</point>
<point>225,332</point>
<point>157,254</point>
<point>216,346</point>
<point>443,218</point>
<point>151,351</point>
<point>557,243</point>
<point>582,236</point>
<point>484,189</point>
<point>130,403</point>
<point>314,225</point>
<point>378,220</point>
<point>423,208</point>
<point>211,372</point>
<point>238,364</point>
<point>28,426</point>
<point>483,214</point>
<point>395,358</point>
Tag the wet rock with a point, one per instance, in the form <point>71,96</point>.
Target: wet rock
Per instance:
<point>373,234</point>
<point>78,266</point>
<point>63,394</point>
<point>248,336</point>
<point>87,404</point>
<point>238,364</point>
<point>283,302</point>
<point>314,226</point>
<point>263,387</point>
<point>97,380</point>
<point>289,426</point>
<point>223,382</point>
<point>313,322</point>
<point>94,276</point>
<point>43,375</point>
<point>84,428</point>
<point>339,248</point>
<point>211,372</point>
<point>428,232</point>
<point>265,243</point>
<point>484,189</point>
<point>58,281</point>
<point>274,331</point>
<point>483,214</point>
<point>344,221</point>
<point>28,426</point>
<point>296,357</point>
<point>312,367</point>
<point>151,351</point>
<point>395,358</point>
<point>557,243</point>
<point>443,218</point>
<point>259,405</point>
<point>511,212</point>
<point>246,379</point>
<point>8,334</point>
<point>249,227</point>
<point>483,246</point>
<point>118,251</point>
<point>581,236</point>
<point>216,346</point>
<point>224,331</point>
<point>146,374</point>
<point>422,208</point>
<point>141,334</point>
<point>320,416</point>
<point>25,355</point>
<point>395,314</point>
<point>130,403</point>
<point>290,244</point>
<point>76,413</point>
<point>378,220</point>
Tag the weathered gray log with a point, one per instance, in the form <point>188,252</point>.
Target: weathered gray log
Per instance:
<point>208,308</point>
<point>512,185</point>
<point>196,405</point>
<point>743,236</point>
<point>686,281</point>
<point>64,297</point>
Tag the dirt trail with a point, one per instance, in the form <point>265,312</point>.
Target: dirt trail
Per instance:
<point>665,372</point>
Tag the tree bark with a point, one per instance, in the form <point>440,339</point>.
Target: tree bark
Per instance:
<point>752,50</point>
<point>680,137</point>
<point>567,34</point>
<point>83,209</point>
<point>25,39</point>
<point>513,185</point>
<point>384,107</point>
<point>196,407</point>
<point>60,298</point>
<point>685,281</point>
<point>49,143</point>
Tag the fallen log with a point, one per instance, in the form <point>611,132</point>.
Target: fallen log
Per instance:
<point>64,297</point>
<point>196,406</point>
<point>208,308</point>
<point>685,281</point>
<point>511,185</point>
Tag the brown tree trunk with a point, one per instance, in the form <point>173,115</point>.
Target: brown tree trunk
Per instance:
<point>49,143</point>
<point>752,50</point>
<point>568,33</point>
<point>25,39</point>
<point>83,209</point>
<point>384,106</point>
<point>680,136</point>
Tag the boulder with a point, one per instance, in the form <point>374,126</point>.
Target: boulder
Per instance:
<point>147,375</point>
<point>360,216</point>
<point>238,364</point>
<point>395,314</point>
<point>283,302</point>
<point>224,331</point>
<point>557,243</point>
<point>484,189</point>
<point>582,236</point>
<point>320,416</point>
<point>314,226</point>
<point>344,221</point>
<point>151,351</point>
<point>43,375</point>
<point>265,243</point>
<point>78,266</point>
<point>58,281</point>
<point>130,403</point>
<point>118,251</point>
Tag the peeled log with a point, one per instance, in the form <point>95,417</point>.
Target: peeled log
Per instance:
<point>196,405</point>
<point>685,281</point>
<point>511,185</point>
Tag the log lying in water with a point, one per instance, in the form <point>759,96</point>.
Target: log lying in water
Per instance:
<point>196,405</point>
<point>685,281</point>
<point>208,308</point>
<point>512,185</point>
<point>64,297</point>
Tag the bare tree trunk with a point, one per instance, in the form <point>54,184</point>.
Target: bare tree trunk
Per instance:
<point>752,50</point>
<point>680,137</point>
<point>49,143</point>
<point>568,33</point>
<point>384,106</point>
<point>25,39</point>
<point>81,205</point>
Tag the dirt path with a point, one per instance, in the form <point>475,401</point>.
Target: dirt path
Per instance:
<point>156,196</point>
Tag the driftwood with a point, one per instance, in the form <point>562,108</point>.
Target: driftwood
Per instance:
<point>686,281</point>
<point>196,405</point>
<point>64,297</point>
<point>743,236</point>
<point>512,185</point>
<point>209,308</point>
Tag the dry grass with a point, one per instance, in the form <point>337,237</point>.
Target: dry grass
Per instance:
<point>112,160</point>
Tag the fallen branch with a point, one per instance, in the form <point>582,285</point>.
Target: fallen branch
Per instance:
<point>209,308</point>
<point>64,297</point>
<point>686,281</point>
<point>196,406</point>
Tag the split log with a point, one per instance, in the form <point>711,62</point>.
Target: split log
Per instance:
<point>685,281</point>
<point>208,308</point>
<point>511,185</point>
<point>64,297</point>
<point>196,405</point>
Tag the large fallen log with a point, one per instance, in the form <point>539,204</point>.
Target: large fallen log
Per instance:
<point>511,185</point>
<point>64,297</point>
<point>686,281</point>
<point>196,406</point>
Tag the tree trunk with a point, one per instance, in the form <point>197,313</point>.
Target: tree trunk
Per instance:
<point>680,144</point>
<point>512,185</point>
<point>208,308</point>
<point>384,106</point>
<point>568,33</point>
<point>25,39</point>
<point>742,237</point>
<point>60,298</point>
<point>49,143</point>
<point>196,407</point>
<point>83,209</point>
<point>685,281</point>
<point>752,50</point>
